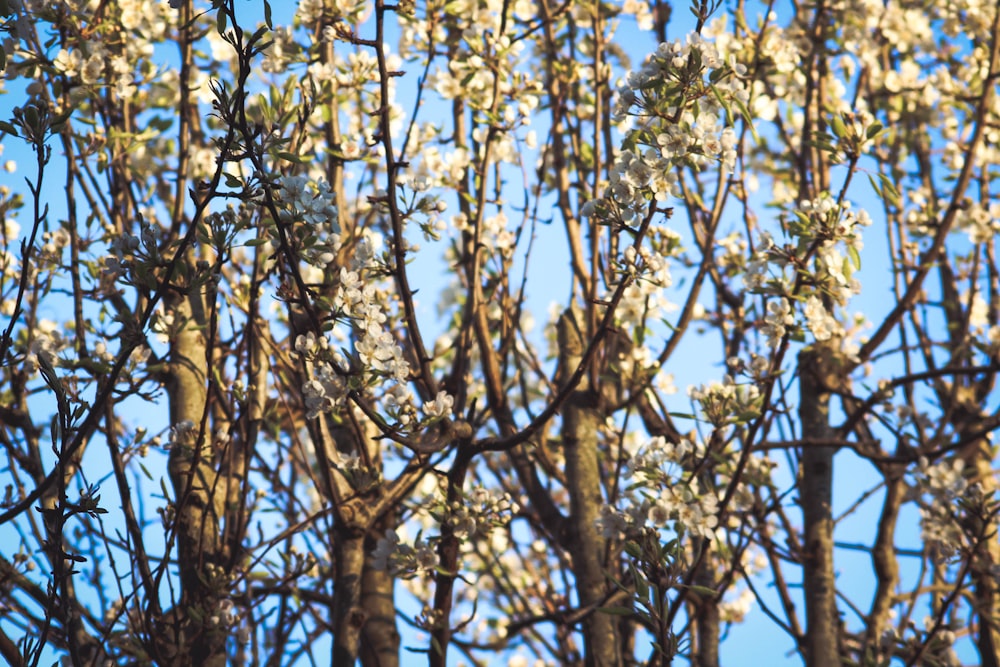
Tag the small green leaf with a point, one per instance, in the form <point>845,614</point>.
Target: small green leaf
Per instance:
<point>641,587</point>
<point>875,186</point>
<point>890,193</point>
<point>747,118</point>
<point>291,157</point>
<point>839,129</point>
<point>855,256</point>
<point>55,430</point>
<point>722,103</point>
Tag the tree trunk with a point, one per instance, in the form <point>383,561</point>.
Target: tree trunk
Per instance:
<point>199,495</point>
<point>581,420</point>
<point>706,609</point>
<point>816,497</point>
<point>886,568</point>
<point>349,614</point>
<point>380,638</point>
<point>986,557</point>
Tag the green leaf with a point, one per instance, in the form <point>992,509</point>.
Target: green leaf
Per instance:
<point>875,186</point>
<point>890,193</point>
<point>160,124</point>
<point>748,119</point>
<point>220,21</point>
<point>839,129</point>
<point>641,586</point>
<point>267,15</point>
<point>257,34</point>
<point>291,157</point>
<point>722,103</point>
<point>55,430</point>
<point>59,121</point>
<point>855,256</point>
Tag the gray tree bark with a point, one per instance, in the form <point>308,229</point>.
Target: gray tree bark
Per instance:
<point>199,493</point>
<point>816,497</point>
<point>581,419</point>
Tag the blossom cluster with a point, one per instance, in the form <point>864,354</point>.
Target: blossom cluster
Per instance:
<point>46,344</point>
<point>481,41</point>
<point>226,616</point>
<point>659,496</point>
<point>777,320</point>
<point>399,558</point>
<point>308,201</point>
<point>132,256</point>
<point>360,300</point>
<point>981,222</point>
<point>814,274</point>
<point>309,207</point>
<point>361,476</point>
<point>693,66</point>
<point>327,387</point>
<point>946,497</point>
<point>645,298</point>
<point>477,513</point>
<point>670,130</point>
<point>728,401</point>
<point>480,511</point>
<point>107,59</point>
<point>357,299</point>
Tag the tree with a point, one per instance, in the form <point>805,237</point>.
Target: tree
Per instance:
<point>234,431</point>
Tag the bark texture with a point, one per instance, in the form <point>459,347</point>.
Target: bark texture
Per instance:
<point>982,527</point>
<point>349,615</point>
<point>706,618</point>
<point>199,496</point>
<point>380,637</point>
<point>886,568</point>
<point>581,420</point>
<point>816,498</point>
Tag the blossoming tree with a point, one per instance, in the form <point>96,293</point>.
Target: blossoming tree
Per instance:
<point>235,430</point>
